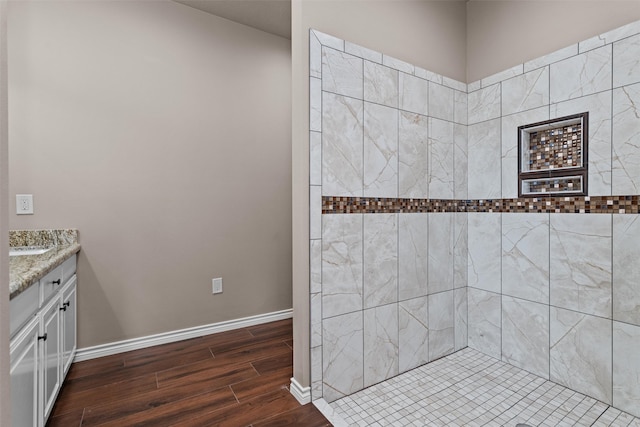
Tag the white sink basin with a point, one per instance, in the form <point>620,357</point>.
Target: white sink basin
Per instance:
<point>27,251</point>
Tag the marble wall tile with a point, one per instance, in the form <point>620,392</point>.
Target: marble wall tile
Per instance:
<point>485,251</point>
<point>440,268</point>
<point>413,255</point>
<point>581,75</point>
<point>626,269</point>
<point>315,212</point>
<point>580,354</point>
<point>363,52</point>
<point>414,94</point>
<point>510,146</point>
<point>413,333</point>
<point>599,108</point>
<point>315,56</point>
<point>460,249</point>
<point>525,335</point>
<point>460,106</point>
<point>626,140</point>
<point>315,158</point>
<point>526,91</point>
<point>484,104</point>
<point>550,58</point>
<point>428,75</point>
<point>316,373</point>
<point>342,355</point>
<point>380,343</point>
<point>626,369</point>
<point>474,86</point>
<point>500,76</point>
<point>316,320</point>
<point>460,161</point>
<point>460,318</point>
<point>342,264</point>
<point>580,266</point>
<point>484,321</point>
<point>525,256</point>
<point>380,259</point>
<point>380,84</point>
<point>626,61</point>
<point>485,150</point>
<point>328,40</point>
<point>380,151</point>
<point>342,146</point>
<point>441,152</point>
<point>413,156</point>
<point>440,102</point>
<point>342,73</point>
<point>610,36</point>
<point>315,265</point>
<point>454,84</point>
<point>441,321</point>
<point>315,104</point>
<point>397,64</point>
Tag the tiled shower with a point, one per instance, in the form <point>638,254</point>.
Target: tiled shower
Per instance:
<point>421,246</point>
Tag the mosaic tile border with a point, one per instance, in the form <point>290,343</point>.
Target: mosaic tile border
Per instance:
<point>556,204</point>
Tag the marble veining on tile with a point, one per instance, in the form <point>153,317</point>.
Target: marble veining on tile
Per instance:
<point>413,333</point>
<point>380,343</point>
<point>626,61</point>
<point>525,335</point>
<point>342,145</point>
<point>580,263</point>
<point>341,73</point>
<point>581,75</point>
<point>413,151</point>
<point>380,84</point>
<point>414,94</point>
<point>380,259</point>
<point>484,104</point>
<point>441,322</point>
<point>485,329</point>
<point>626,369</point>
<point>525,92</point>
<point>413,253</point>
<point>441,152</point>
<point>380,151</point>
<point>580,353</point>
<point>626,140</point>
<point>485,150</point>
<point>626,269</point>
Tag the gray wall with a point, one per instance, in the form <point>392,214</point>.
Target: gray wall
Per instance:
<point>163,134</point>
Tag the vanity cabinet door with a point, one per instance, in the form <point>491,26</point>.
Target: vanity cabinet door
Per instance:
<point>50,323</point>
<point>68,322</point>
<point>24,376</point>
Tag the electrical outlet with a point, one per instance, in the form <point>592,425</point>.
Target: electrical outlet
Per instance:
<point>24,204</point>
<point>216,285</point>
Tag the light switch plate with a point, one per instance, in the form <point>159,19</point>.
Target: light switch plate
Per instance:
<point>24,204</point>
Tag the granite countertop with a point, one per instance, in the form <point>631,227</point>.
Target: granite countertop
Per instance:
<point>24,270</point>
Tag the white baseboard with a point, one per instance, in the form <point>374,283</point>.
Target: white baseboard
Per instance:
<point>179,335</point>
<point>302,394</point>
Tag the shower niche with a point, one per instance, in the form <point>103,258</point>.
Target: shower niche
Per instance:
<point>552,157</point>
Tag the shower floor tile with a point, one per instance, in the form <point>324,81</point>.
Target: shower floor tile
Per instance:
<point>469,388</point>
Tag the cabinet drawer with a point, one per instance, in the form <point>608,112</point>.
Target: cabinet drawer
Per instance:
<point>50,284</point>
<point>68,269</point>
<point>23,307</point>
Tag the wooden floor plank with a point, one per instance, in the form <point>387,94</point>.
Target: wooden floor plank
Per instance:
<point>234,378</point>
<point>274,363</point>
<point>71,399</point>
<point>248,413</point>
<point>307,416</point>
<point>172,412</point>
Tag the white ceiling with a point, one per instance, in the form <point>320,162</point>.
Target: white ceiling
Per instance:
<point>271,16</point>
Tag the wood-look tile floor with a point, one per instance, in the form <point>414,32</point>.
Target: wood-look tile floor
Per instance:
<point>235,378</point>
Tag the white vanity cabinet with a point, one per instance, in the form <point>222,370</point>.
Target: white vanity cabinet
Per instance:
<point>42,350</point>
<point>25,372</point>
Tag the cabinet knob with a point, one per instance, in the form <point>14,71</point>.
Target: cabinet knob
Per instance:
<point>56,282</point>
<point>63,308</point>
<point>43,337</point>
